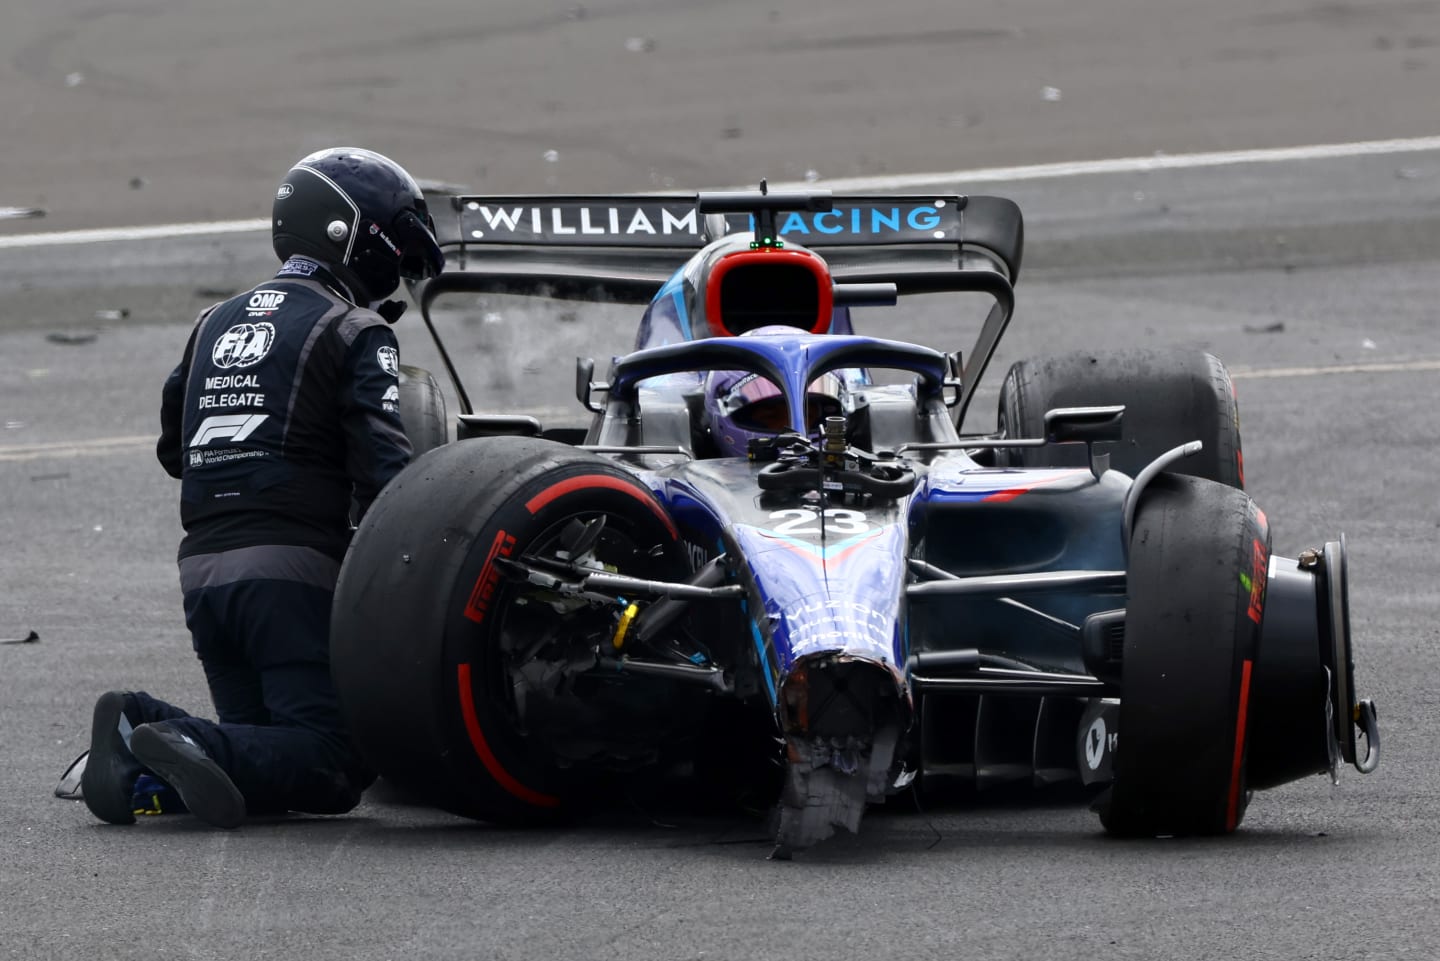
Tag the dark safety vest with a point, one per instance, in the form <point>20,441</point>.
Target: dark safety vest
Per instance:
<point>283,419</point>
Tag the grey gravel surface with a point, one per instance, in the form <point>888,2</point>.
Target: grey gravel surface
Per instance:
<point>162,110</point>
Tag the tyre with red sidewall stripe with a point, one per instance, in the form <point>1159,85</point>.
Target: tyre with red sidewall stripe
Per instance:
<point>1199,558</point>
<point>426,628</point>
<point>1171,397</point>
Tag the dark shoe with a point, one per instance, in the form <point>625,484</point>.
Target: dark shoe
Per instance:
<point>206,789</point>
<point>111,769</point>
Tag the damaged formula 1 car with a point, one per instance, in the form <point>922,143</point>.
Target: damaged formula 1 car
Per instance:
<point>867,594</point>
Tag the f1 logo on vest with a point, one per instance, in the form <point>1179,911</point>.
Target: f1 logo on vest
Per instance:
<point>232,427</point>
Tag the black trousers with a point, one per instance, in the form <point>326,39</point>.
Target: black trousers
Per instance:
<point>264,644</point>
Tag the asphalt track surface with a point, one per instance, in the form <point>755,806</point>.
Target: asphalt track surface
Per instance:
<point>1315,280</point>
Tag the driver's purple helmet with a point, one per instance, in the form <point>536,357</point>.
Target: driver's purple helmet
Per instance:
<point>743,406</point>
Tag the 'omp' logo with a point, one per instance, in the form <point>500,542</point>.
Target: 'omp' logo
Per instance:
<point>263,303</point>
<point>243,344</point>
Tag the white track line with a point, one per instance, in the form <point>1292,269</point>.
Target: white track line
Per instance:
<point>1080,168</point>
<point>130,445</point>
<point>77,448</point>
<point>1084,168</point>
<point>158,232</point>
<point>1376,367</point>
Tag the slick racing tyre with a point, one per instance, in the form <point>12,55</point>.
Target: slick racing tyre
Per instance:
<point>1199,559</point>
<point>451,672</point>
<point>422,408</point>
<point>1171,397</point>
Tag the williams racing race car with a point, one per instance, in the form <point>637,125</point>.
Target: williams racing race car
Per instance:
<point>777,561</point>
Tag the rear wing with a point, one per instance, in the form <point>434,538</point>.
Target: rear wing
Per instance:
<point>624,247</point>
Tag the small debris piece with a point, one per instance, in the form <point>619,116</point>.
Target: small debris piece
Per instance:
<point>119,314</point>
<point>31,638</point>
<point>640,44</point>
<point>552,156</point>
<point>74,79</point>
<point>21,213</point>
<point>1050,94</point>
<point>1368,344</point>
<point>137,183</point>
<point>70,337</point>
<point>1276,328</point>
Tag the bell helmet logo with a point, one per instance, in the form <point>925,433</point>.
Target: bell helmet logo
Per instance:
<point>243,345</point>
<point>284,191</point>
<point>375,231</point>
<point>389,359</point>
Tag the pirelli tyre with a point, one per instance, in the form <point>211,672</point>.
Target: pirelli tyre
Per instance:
<point>1171,397</point>
<point>422,409</point>
<point>434,649</point>
<point>1198,565</point>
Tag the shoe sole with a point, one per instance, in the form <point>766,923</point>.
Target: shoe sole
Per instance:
<point>102,783</point>
<point>206,789</point>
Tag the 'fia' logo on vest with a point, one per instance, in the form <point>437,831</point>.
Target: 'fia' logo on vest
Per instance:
<point>243,345</point>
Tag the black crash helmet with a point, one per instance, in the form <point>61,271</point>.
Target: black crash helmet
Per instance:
<point>359,213</point>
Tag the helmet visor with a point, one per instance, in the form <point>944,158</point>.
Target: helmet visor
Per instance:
<point>770,416</point>
<point>755,404</point>
<point>420,254</point>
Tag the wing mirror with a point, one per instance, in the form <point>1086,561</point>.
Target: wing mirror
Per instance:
<point>952,387</point>
<point>586,385</point>
<point>1088,426</point>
